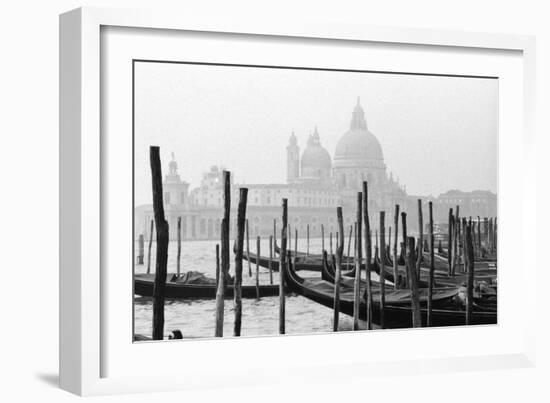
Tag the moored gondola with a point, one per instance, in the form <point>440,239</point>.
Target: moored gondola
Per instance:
<point>144,283</point>
<point>398,313</point>
<point>300,264</point>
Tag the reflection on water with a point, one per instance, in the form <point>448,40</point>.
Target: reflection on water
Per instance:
<point>196,318</point>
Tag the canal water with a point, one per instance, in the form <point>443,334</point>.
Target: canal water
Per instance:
<point>195,318</point>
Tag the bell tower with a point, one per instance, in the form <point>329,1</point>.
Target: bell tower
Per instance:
<point>175,189</point>
<point>292,160</point>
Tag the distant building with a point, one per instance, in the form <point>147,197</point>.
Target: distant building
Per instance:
<point>316,185</point>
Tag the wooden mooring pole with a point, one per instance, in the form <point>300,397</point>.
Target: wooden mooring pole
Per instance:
<point>330,243</point>
<point>456,235</point>
<point>178,256</point>
<point>486,234</point>
<point>432,266</point>
<point>220,289</point>
<point>224,268</point>
<point>491,236</point>
<point>237,285</point>
<point>460,240</point>
<point>248,250</point>
<point>382,269</point>
<point>274,236</point>
<point>450,242</point>
<point>282,265</point>
<point>217,264</point>
<point>308,240</point>
<point>258,254</point>
<point>495,235</point>
<point>480,250</point>
<point>270,264</point>
<point>420,240</point>
<point>406,245</point>
<point>415,299</point>
<point>289,238</point>
<point>339,252</point>
<point>368,253</point>
<point>149,248</point>
<point>358,260</point>
<point>295,244</point>
<point>464,251</point>
<point>470,282</point>
<point>162,244</point>
<point>395,240</point>
<point>140,250</point>
<point>349,246</point>
<point>322,238</point>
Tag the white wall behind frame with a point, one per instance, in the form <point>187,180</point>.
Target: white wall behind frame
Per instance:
<point>29,32</point>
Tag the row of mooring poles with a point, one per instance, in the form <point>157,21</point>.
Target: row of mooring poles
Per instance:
<point>223,269</point>
<point>484,240</point>
<point>460,233</point>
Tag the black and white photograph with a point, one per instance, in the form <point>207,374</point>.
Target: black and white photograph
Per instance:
<point>272,200</point>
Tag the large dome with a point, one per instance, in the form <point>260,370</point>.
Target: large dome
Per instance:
<point>358,144</point>
<point>315,161</point>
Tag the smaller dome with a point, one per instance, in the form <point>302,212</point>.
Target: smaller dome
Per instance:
<point>315,161</point>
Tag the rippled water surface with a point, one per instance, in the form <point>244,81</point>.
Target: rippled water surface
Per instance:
<point>196,318</point>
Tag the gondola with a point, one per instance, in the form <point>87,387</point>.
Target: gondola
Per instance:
<point>488,261</point>
<point>397,311</point>
<point>441,278</point>
<point>313,257</point>
<point>328,274</point>
<point>144,283</point>
<point>300,264</point>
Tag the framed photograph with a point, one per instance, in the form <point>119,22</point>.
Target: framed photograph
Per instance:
<point>246,189</point>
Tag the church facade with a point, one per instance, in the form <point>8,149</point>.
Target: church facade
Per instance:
<point>316,184</point>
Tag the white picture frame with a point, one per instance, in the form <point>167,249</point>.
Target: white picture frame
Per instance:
<point>82,298</point>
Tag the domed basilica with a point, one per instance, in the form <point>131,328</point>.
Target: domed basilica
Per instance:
<point>358,157</point>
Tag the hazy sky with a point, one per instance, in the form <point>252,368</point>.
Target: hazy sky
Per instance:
<point>437,133</point>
